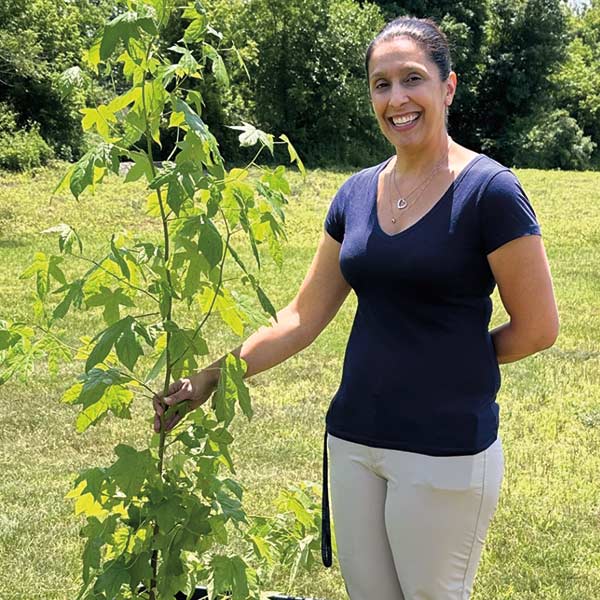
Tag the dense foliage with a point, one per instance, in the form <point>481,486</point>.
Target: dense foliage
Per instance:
<point>156,520</point>
<point>39,39</point>
<point>301,71</point>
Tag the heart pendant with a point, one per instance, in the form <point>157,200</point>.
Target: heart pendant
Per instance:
<point>401,203</point>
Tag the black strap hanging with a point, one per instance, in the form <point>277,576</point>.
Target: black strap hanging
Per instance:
<point>326,552</point>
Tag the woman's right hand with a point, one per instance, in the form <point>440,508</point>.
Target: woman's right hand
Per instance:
<point>195,389</point>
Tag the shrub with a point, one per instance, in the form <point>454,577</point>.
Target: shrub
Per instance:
<point>555,140</point>
<point>23,149</point>
<point>8,118</point>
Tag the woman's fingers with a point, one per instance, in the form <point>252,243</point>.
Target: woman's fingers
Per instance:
<point>173,421</point>
<point>179,391</point>
<point>183,392</point>
<point>158,405</point>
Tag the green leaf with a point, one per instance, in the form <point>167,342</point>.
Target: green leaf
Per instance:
<point>94,479</point>
<point>116,399</point>
<point>195,31</point>
<point>142,167</point>
<point>155,98</point>
<point>128,348</point>
<point>90,169</point>
<point>170,512</point>
<point>101,119</point>
<point>44,268</point>
<point>97,533</point>
<point>118,103</point>
<point>184,348</point>
<point>99,391</point>
<point>110,300</point>
<point>132,469</point>
<point>265,302</point>
<point>230,388</point>
<point>192,119</point>
<point>195,97</point>
<point>154,372</point>
<point>218,66</point>
<point>188,65</point>
<point>163,10</point>
<point>106,341</point>
<point>68,236</point>
<point>277,182</point>
<point>70,80</point>
<point>175,195</point>
<point>139,569</point>
<point>91,56</point>
<point>113,576</point>
<point>221,436</point>
<point>197,267</point>
<point>218,529</point>
<point>229,575</point>
<point>293,154</point>
<point>210,243</point>
<point>118,258</point>
<point>225,304</point>
<point>231,507</point>
<point>73,296</point>
<point>122,28</point>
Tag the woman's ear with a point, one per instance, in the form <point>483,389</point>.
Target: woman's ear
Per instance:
<point>450,82</point>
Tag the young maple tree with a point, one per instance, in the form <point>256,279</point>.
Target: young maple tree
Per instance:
<point>157,519</point>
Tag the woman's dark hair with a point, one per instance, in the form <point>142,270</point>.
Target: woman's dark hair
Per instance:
<point>425,33</point>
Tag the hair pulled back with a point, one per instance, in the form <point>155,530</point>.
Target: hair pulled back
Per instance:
<point>425,33</point>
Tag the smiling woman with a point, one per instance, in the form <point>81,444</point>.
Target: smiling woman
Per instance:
<point>422,238</point>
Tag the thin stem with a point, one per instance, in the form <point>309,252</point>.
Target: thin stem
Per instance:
<point>120,279</point>
<point>152,314</point>
<point>55,338</point>
<point>174,146</point>
<point>167,317</point>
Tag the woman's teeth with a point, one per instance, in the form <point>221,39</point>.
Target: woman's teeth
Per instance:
<point>405,119</point>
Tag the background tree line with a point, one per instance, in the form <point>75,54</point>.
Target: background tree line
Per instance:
<point>528,95</point>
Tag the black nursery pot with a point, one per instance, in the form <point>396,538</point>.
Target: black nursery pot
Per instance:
<point>201,593</point>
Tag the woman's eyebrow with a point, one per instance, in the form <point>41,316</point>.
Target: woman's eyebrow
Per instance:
<point>406,67</point>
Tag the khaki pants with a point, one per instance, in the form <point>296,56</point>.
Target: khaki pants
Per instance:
<point>410,526</point>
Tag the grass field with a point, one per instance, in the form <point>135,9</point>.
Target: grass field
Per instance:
<point>544,543</point>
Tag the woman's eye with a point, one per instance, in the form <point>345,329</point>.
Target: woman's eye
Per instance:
<point>414,79</point>
<point>379,85</point>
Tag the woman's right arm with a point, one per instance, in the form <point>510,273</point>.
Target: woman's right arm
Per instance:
<point>319,298</point>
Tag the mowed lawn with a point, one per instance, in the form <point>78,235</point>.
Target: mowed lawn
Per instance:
<point>544,542</point>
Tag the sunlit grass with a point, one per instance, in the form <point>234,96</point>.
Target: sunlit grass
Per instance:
<point>544,543</point>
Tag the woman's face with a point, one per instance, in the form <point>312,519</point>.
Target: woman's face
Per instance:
<point>405,83</point>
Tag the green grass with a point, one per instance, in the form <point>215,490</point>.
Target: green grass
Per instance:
<point>544,543</point>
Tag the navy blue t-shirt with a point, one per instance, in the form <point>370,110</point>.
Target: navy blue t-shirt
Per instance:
<point>420,371</point>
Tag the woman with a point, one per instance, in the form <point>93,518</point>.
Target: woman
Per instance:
<point>422,239</point>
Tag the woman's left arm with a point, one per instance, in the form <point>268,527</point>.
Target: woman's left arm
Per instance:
<point>520,268</point>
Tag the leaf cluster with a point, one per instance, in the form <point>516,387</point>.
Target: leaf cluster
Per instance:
<point>158,519</point>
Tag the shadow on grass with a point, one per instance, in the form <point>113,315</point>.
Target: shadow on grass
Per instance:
<point>13,243</point>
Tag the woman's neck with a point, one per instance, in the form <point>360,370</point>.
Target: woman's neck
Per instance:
<point>412,163</point>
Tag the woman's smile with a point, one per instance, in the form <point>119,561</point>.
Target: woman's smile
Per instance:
<point>404,122</point>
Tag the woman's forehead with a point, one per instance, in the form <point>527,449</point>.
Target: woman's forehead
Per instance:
<point>398,53</point>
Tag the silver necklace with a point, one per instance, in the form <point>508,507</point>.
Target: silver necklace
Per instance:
<point>402,202</point>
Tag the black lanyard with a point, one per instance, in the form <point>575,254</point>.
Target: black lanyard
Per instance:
<point>326,553</point>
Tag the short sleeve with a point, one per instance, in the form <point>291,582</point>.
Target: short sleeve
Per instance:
<point>505,212</point>
<point>335,220</point>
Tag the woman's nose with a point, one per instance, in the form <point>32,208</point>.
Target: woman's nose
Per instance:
<point>398,95</point>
